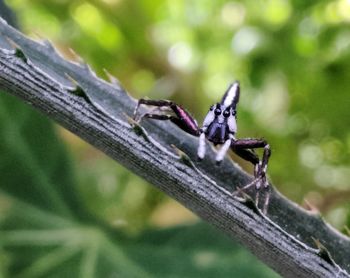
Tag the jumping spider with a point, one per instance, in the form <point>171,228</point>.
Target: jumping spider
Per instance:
<point>219,127</point>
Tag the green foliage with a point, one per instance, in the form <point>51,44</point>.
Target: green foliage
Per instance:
<point>46,231</point>
<point>196,251</point>
<point>33,160</point>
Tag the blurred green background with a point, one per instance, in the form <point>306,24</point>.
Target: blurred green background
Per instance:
<point>66,208</point>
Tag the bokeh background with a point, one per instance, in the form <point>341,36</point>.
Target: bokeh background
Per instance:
<point>293,61</point>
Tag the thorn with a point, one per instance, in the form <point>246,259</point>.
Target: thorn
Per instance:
<point>138,129</point>
<point>249,202</point>
<point>347,230</point>
<point>178,151</point>
<point>75,56</point>
<point>131,120</point>
<point>18,51</point>
<point>77,89</point>
<point>76,85</point>
<point>183,156</point>
<point>87,69</point>
<point>323,252</point>
<point>48,44</point>
<point>71,79</point>
<point>39,36</point>
<point>310,207</point>
<point>85,66</point>
<point>112,79</point>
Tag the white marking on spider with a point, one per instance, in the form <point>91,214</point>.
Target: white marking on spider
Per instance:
<point>231,94</point>
<point>224,149</point>
<point>201,146</point>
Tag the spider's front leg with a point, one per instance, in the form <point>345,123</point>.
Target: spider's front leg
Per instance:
<point>168,111</point>
<point>244,148</point>
<point>179,116</point>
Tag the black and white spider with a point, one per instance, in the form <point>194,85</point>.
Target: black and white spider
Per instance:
<point>219,127</point>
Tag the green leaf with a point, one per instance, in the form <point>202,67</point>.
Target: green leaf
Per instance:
<point>195,251</point>
<point>33,163</point>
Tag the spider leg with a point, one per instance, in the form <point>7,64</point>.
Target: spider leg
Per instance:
<point>157,116</point>
<point>225,147</point>
<point>252,157</point>
<point>267,200</point>
<point>155,111</point>
<point>201,145</point>
<point>244,149</point>
<point>260,166</point>
<point>157,103</point>
<point>181,118</point>
<point>257,197</point>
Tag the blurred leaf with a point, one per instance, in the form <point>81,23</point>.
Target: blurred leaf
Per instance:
<point>34,167</point>
<point>194,251</point>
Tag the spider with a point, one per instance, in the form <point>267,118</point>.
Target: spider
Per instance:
<point>219,127</point>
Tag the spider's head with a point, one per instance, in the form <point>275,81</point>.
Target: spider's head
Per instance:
<point>220,121</point>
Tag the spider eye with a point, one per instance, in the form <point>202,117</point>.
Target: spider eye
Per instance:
<point>217,111</point>
<point>226,113</point>
<point>211,108</point>
<point>234,112</point>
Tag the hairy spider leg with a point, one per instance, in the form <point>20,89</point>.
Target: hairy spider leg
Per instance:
<point>201,145</point>
<point>260,166</point>
<point>182,118</point>
<point>224,149</point>
<point>244,149</point>
<point>209,118</point>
